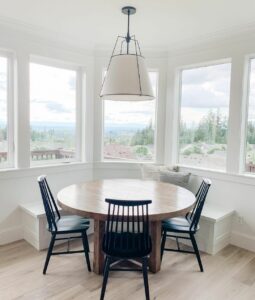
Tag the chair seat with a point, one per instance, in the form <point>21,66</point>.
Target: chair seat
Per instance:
<point>77,218</point>
<point>71,223</point>
<point>180,224</point>
<point>127,245</point>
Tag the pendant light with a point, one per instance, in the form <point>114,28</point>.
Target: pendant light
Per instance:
<point>127,78</point>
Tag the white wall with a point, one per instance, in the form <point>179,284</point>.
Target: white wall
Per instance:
<point>230,189</point>
<point>19,185</point>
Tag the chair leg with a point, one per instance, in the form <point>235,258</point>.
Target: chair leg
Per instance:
<point>106,274</point>
<point>194,243</point>
<point>145,277</point>
<point>86,240</point>
<point>86,249</point>
<point>49,253</point>
<point>163,242</point>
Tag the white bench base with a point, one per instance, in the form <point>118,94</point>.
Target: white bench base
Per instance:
<point>214,233</point>
<point>34,225</point>
<point>215,229</point>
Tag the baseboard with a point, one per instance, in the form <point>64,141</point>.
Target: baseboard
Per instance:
<point>31,237</point>
<point>221,242</point>
<point>243,240</point>
<point>10,235</point>
<point>238,239</point>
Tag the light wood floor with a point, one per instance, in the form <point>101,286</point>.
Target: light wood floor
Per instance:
<point>228,275</point>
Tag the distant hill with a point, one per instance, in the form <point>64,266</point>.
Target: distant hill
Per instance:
<point>41,125</point>
<point>113,128</point>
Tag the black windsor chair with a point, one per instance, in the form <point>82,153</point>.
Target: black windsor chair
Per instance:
<point>62,225</point>
<point>188,225</point>
<point>126,237</point>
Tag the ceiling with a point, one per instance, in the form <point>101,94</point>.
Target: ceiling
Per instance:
<point>157,24</point>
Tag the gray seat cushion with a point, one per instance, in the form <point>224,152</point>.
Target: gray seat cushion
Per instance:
<point>177,178</point>
<point>152,171</point>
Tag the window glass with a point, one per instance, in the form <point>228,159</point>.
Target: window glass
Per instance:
<point>5,155</point>
<point>129,128</point>
<point>250,135</point>
<point>52,114</point>
<point>204,116</point>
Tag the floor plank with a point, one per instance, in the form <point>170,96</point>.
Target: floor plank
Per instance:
<point>228,275</point>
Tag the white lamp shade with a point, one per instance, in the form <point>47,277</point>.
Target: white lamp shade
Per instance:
<point>124,81</point>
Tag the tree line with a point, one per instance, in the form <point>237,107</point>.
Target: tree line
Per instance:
<point>212,129</point>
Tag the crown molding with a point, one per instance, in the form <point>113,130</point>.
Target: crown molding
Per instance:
<point>232,35</point>
<point>39,35</point>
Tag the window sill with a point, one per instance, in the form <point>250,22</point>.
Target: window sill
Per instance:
<point>120,165</point>
<point>241,178</point>
<point>41,164</point>
<point>128,161</point>
<point>48,169</point>
<point>202,169</point>
<point>245,178</point>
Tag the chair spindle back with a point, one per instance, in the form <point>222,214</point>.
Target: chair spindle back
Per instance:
<point>50,206</point>
<point>127,225</point>
<point>198,207</point>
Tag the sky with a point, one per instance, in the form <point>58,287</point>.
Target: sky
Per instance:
<point>3,90</point>
<point>251,114</point>
<point>52,94</point>
<point>204,89</point>
<point>125,112</point>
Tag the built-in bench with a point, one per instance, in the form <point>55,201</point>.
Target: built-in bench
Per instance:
<point>214,233</point>
<point>215,228</point>
<point>34,224</point>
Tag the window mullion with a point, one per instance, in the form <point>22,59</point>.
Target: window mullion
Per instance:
<point>236,122</point>
<point>10,111</point>
<point>78,125</point>
<point>22,112</point>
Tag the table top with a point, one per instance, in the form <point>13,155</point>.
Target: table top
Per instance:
<point>88,198</point>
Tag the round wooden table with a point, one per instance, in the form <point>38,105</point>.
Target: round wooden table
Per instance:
<point>88,199</point>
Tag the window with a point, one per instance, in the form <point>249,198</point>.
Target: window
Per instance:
<point>129,128</point>
<point>6,119</point>
<point>52,114</point>
<point>205,93</point>
<point>250,127</point>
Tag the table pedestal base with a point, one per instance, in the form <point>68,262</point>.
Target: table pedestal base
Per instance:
<point>155,257</point>
<point>98,263</point>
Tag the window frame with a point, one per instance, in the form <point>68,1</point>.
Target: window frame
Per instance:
<point>10,124</point>
<point>150,70</point>
<point>178,77</point>
<point>79,109</point>
<point>245,115</point>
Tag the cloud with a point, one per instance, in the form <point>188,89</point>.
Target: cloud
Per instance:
<point>52,106</point>
<point>206,87</point>
<point>204,96</point>
<point>36,100</point>
<point>3,81</point>
<point>148,112</point>
<point>72,83</point>
<point>57,107</point>
<point>205,74</point>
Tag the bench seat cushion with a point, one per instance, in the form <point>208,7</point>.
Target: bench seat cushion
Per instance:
<point>180,224</point>
<point>71,224</point>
